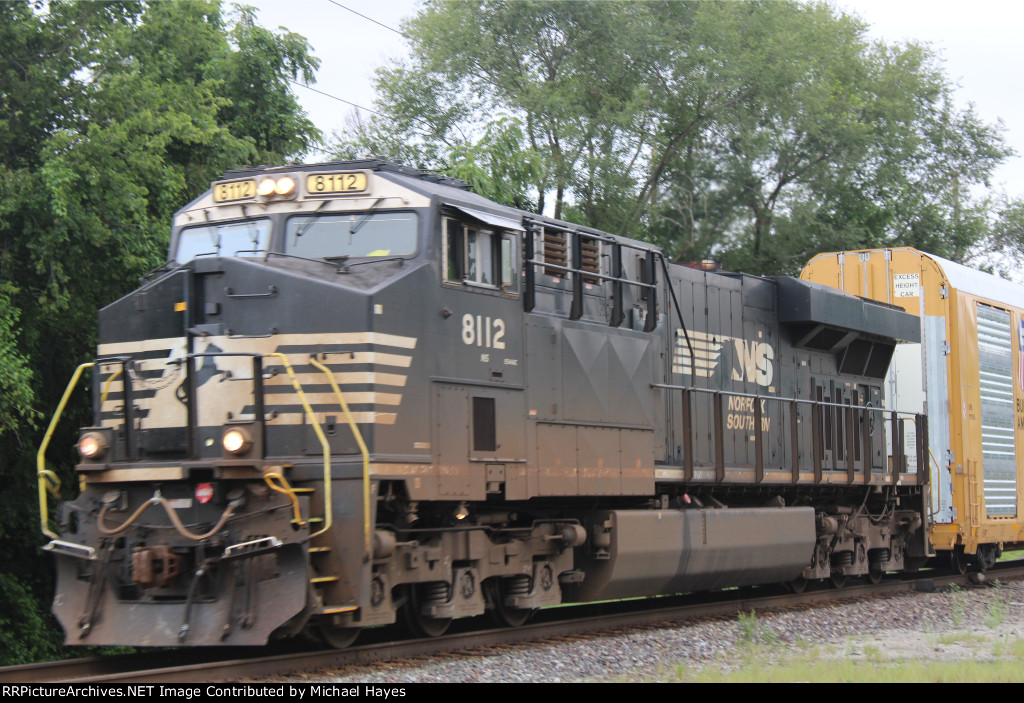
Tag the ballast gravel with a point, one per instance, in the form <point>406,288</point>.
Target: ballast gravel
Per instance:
<point>944,625</point>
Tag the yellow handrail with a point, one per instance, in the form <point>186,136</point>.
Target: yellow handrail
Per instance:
<point>367,532</point>
<point>328,509</point>
<point>288,491</point>
<point>44,475</point>
<point>106,386</point>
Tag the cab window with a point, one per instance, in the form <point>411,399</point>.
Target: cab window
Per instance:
<point>480,256</point>
<point>230,239</point>
<point>352,235</point>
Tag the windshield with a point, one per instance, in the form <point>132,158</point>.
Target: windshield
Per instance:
<point>231,239</point>
<point>356,235</point>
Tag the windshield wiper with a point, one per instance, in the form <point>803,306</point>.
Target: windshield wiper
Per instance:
<point>346,267</point>
<point>301,229</point>
<point>355,227</point>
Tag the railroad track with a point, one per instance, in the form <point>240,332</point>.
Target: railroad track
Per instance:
<point>189,666</point>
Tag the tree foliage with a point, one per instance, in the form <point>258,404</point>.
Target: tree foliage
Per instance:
<point>755,132</point>
<point>112,115</point>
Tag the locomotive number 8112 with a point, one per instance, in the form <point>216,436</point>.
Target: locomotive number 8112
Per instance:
<point>358,393</point>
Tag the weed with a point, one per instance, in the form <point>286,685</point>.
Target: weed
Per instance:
<point>996,614</point>
<point>872,653</point>
<point>748,626</point>
<point>754,632</point>
<point>956,611</point>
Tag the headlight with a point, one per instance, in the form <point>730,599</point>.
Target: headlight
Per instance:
<point>92,445</point>
<point>285,185</point>
<point>236,441</point>
<point>279,186</point>
<point>266,187</point>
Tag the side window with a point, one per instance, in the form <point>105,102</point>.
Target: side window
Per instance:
<point>478,256</point>
<point>510,263</point>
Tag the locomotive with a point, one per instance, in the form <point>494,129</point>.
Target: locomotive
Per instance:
<point>358,393</point>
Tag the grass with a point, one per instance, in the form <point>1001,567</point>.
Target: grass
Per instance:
<point>859,662</point>
<point>762,658</point>
<point>1012,555</point>
<point>996,614</point>
<point>961,637</point>
<point>869,670</point>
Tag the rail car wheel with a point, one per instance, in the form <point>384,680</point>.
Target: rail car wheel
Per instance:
<point>837,579</point>
<point>338,637</point>
<point>986,557</point>
<point>412,612</point>
<point>958,560</point>
<point>502,614</point>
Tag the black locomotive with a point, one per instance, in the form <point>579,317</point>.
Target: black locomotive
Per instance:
<point>359,393</point>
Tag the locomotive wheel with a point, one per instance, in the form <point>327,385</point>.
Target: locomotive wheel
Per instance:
<point>873,577</point>
<point>503,615</point>
<point>421,625</point>
<point>338,637</point>
<point>797,585</point>
<point>837,579</point>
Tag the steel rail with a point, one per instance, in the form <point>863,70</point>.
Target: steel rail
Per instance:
<point>555,622</point>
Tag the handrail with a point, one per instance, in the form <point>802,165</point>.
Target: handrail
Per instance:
<point>574,256</point>
<point>899,417</point>
<point>106,385</point>
<point>802,401</point>
<point>47,479</point>
<point>592,274</point>
<point>367,532</point>
<point>285,489</point>
<point>328,508</point>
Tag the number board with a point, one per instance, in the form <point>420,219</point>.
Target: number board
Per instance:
<point>336,183</point>
<point>228,191</point>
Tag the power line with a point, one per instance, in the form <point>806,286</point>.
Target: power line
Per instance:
<point>355,105</point>
<point>334,97</point>
<point>343,100</point>
<point>333,2</point>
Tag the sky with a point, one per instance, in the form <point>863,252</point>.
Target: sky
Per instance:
<point>979,41</point>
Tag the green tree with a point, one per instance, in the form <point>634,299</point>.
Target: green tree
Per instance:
<point>554,68</point>
<point>113,115</point>
<point>755,132</point>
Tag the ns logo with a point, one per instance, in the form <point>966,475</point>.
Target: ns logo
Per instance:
<point>752,360</point>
